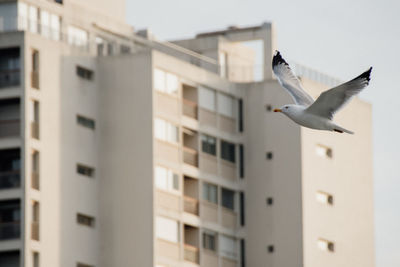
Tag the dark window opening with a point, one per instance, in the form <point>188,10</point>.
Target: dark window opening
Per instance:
<point>9,67</point>
<point>209,241</point>
<point>85,220</point>
<point>271,249</point>
<point>270,201</point>
<point>240,115</point>
<point>269,155</point>
<point>228,199</point>
<point>241,161</point>
<point>86,122</point>
<point>242,207</point>
<point>242,253</point>
<point>208,145</point>
<point>268,107</point>
<point>85,170</point>
<point>228,151</point>
<point>84,73</point>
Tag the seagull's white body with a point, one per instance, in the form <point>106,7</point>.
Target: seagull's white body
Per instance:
<point>316,114</point>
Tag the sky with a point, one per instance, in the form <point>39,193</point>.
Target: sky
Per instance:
<point>342,38</point>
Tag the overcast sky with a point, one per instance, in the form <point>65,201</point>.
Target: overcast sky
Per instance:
<point>341,38</point>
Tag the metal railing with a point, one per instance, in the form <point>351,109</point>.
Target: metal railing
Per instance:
<point>9,77</point>
<point>191,253</point>
<point>314,75</point>
<point>10,179</point>
<point>10,230</point>
<point>9,128</point>
<point>189,108</point>
<point>190,156</point>
<point>191,205</point>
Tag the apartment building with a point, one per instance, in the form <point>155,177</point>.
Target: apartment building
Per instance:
<point>117,149</point>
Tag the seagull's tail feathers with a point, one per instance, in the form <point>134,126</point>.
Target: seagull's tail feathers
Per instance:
<point>342,130</point>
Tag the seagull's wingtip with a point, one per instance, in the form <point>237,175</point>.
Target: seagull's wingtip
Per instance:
<point>277,59</point>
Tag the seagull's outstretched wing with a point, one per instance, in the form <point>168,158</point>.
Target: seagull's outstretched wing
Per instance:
<point>289,81</point>
<point>329,102</point>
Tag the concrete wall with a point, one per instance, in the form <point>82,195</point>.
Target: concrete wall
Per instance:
<point>348,177</point>
<point>126,164</point>
<point>278,225</point>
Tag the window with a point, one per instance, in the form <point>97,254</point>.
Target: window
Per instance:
<point>85,170</point>
<point>228,199</point>
<point>77,36</point>
<point>166,179</point>
<point>210,240</point>
<point>34,118</point>
<point>225,105</point>
<point>86,122</point>
<point>59,1</point>
<point>84,73</point>
<point>35,259</point>
<point>240,115</point>
<point>271,248</point>
<point>55,26</point>
<point>85,219</point>
<point>45,23</point>
<point>270,201</point>
<point>33,19</point>
<point>325,245</point>
<point>207,98</point>
<point>79,264</point>
<point>241,161</point>
<point>35,69</point>
<point>227,151</point>
<point>242,207</point>
<point>210,193</point>
<point>227,246</point>
<point>167,229</point>
<point>166,131</point>
<point>22,16</point>
<point>269,155</point>
<point>166,82</point>
<point>323,151</point>
<point>208,144</point>
<point>35,183</point>
<point>324,198</point>
<point>242,253</point>
<point>35,220</point>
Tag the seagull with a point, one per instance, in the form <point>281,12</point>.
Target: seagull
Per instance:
<point>316,114</point>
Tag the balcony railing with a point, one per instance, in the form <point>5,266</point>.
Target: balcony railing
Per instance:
<point>35,184</point>
<point>10,77</point>
<point>10,230</point>
<point>9,128</point>
<point>190,156</point>
<point>35,231</point>
<point>191,205</point>
<point>191,253</point>
<point>35,79</point>
<point>189,108</point>
<point>10,179</point>
<point>35,130</point>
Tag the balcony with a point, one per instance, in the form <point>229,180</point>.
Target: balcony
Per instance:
<point>9,118</point>
<point>35,130</point>
<point>35,231</point>
<point>10,225</point>
<point>190,147</point>
<point>10,169</point>
<point>10,258</point>
<point>191,243</point>
<point>9,67</point>
<point>35,180</point>
<point>35,79</point>
<point>190,191</point>
<point>189,101</point>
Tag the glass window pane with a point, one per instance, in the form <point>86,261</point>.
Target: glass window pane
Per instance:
<point>228,199</point>
<point>172,83</point>
<point>227,246</point>
<point>228,151</point>
<point>161,177</point>
<point>159,80</point>
<point>160,129</point>
<point>173,133</point>
<point>208,144</point>
<point>225,105</point>
<point>175,181</point>
<point>167,229</point>
<point>207,98</point>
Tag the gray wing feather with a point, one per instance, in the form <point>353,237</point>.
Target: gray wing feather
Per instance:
<point>331,101</point>
<point>289,81</point>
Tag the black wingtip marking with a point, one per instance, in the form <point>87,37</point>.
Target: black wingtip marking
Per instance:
<point>277,59</point>
<point>365,75</point>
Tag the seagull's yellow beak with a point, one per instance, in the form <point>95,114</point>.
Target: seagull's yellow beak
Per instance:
<point>277,110</point>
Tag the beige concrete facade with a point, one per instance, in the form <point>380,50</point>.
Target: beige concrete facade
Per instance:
<point>120,150</point>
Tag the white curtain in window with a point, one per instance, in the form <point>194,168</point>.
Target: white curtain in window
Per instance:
<point>55,25</point>
<point>77,36</point>
<point>227,246</point>
<point>45,23</point>
<point>167,229</point>
<point>225,105</point>
<point>161,179</point>
<point>22,16</point>
<point>159,80</point>
<point>33,19</point>
<point>160,129</point>
<point>172,83</point>
<point>207,98</point>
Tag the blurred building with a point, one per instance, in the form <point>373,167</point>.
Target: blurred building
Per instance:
<point>117,149</point>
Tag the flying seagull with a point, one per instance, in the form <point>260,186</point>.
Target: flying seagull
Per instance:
<point>316,114</point>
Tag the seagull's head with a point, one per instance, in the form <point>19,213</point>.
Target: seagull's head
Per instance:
<point>286,109</point>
